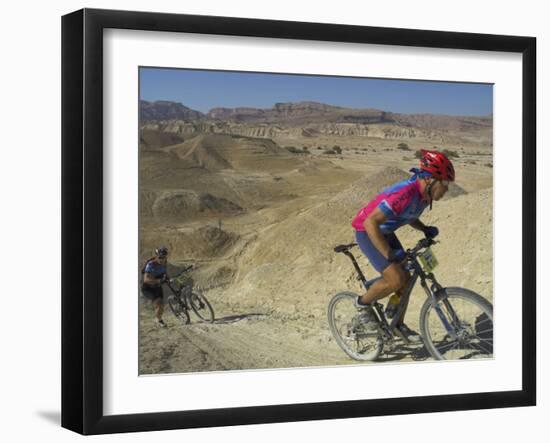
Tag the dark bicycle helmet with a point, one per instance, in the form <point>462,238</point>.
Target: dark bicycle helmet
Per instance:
<point>161,251</point>
<point>437,164</point>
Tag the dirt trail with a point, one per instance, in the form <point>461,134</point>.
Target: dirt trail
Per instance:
<point>250,340</point>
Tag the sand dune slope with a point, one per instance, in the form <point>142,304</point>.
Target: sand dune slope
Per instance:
<point>271,302</point>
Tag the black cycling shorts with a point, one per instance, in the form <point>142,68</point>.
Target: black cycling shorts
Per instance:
<point>152,292</point>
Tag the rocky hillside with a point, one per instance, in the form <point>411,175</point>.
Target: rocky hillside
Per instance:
<point>291,265</point>
<point>385,131</point>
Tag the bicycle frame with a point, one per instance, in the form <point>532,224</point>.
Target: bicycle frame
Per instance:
<point>177,292</point>
<point>183,291</point>
<point>413,267</point>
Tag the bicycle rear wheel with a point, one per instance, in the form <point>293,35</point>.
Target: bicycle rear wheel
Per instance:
<point>201,307</point>
<point>459,325</point>
<point>178,309</point>
<point>348,332</point>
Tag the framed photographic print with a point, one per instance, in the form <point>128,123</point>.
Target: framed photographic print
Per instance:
<point>273,221</point>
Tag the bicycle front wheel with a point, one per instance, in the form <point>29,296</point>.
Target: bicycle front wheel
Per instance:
<point>348,332</point>
<point>458,325</point>
<point>201,307</point>
<point>178,309</point>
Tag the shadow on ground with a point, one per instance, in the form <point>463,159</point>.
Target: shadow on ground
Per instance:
<point>402,351</point>
<point>54,417</point>
<point>235,318</point>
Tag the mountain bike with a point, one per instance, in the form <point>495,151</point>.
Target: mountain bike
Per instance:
<point>455,323</point>
<point>186,297</point>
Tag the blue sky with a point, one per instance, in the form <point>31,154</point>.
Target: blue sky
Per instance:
<point>204,90</point>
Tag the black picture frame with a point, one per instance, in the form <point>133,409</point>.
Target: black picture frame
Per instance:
<point>82,217</point>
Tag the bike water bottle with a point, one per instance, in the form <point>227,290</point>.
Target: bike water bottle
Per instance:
<point>391,307</point>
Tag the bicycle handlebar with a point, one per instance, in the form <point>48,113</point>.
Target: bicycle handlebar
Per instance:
<point>183,271</point>
<point>422,243</point>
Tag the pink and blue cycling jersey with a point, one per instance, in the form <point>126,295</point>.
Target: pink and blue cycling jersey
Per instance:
<point>401,203</point>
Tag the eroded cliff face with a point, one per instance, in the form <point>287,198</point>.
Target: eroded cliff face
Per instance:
<point>310,119</point>
<point>384,131</point>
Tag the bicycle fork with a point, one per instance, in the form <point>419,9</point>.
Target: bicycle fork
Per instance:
<point>432,294</point>
<point>450,329</point>
<point>444,317</point>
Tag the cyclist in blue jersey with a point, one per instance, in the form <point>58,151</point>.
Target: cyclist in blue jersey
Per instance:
<point>154,274</point>
<point>396,206</point>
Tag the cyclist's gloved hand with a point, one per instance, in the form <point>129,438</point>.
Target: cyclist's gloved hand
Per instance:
<point>431,231</point>
<point>396,255</point>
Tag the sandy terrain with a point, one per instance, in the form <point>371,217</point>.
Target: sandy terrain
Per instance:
<point>259,223</point>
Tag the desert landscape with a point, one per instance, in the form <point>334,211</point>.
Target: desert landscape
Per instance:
<point>256,200</point>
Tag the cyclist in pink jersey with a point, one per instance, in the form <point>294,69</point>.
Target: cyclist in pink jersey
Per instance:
<point>398,205</point>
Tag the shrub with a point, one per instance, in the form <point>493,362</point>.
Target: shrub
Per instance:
<point>295,150</point>
<point>418,154</point>
<point>337,149</point>
<point>450,154</point>
<point>329,151</point>
<point>489,165</point>
<point>403,147</point>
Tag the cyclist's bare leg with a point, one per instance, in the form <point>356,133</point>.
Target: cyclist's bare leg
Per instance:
<point>402,318</point>
<point>159,308</point>
<point>393,279</point>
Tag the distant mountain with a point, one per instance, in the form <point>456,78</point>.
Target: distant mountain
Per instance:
<point>166,110</point>
<point>300,113</point>
<point>285,113</point>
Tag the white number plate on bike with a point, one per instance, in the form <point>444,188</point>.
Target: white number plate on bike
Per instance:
<point>428,260</point>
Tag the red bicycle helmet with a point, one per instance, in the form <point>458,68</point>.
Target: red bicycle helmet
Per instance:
<point>437,164</point>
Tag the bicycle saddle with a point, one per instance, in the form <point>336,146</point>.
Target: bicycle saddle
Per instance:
<point>344,248</point>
